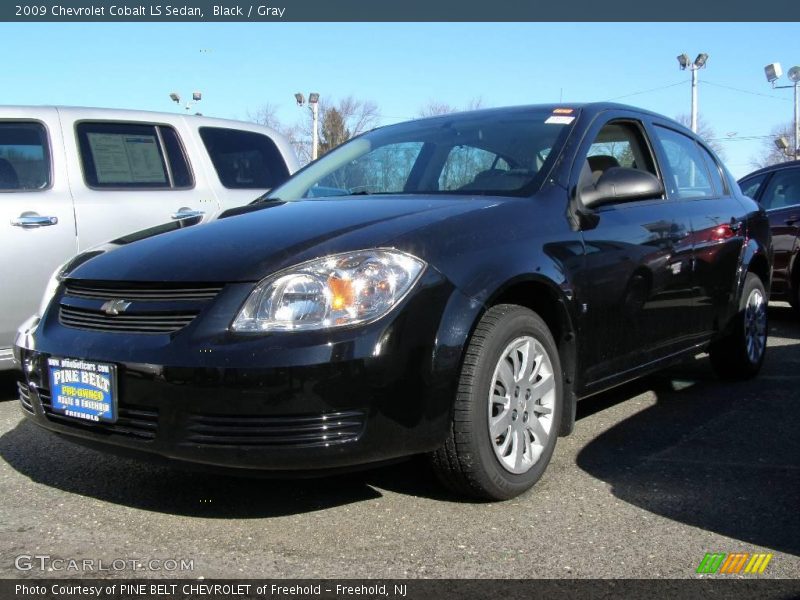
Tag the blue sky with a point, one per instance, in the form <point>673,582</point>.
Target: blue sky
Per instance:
<point>401,66</point>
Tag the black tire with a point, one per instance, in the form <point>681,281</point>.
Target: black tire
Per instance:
<point>467,463</point>
<point>794,297</point>
<point>729,355</point>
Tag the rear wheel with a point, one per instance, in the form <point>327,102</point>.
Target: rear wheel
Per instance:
<point>507,409</point>
<point>740,353</point>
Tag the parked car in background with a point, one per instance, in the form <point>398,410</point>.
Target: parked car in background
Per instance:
<point>777,189</point>
<point>481,272</point>
<point>71,178</point>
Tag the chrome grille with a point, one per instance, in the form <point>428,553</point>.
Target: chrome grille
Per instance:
<point>134,323</point>
<point>289,431</point>
<point>141,292</point>
<point>25,396</point>
<point>133,421</point>
<point>154,308</point>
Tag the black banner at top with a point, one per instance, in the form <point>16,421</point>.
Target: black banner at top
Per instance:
<point>397,10</point>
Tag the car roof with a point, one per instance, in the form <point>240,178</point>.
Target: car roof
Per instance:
<point>124,114</point>
<point>590,108</point>
<point>789,164</point>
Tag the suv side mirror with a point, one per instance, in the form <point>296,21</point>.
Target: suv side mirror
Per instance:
<point>620,184</point>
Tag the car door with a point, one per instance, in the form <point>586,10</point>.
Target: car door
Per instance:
<point>637,259</point>
<point>695,179</point>
<point>128,175</point>
<point>781,199</point>
<point>36,214</point>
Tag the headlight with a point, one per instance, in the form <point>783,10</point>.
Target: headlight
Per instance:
<point>52,286</point>
<point>334,291</point>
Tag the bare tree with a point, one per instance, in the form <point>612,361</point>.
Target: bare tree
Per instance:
<point>705,131</point>
<point>338,122</point>
<point>266,114</point>
<point>770,154</point>
<point>435,107</point>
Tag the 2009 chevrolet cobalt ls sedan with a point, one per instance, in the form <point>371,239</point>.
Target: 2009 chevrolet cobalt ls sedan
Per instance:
<point>449,286</point>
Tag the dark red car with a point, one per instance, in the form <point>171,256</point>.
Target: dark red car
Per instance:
<point>777,189</point>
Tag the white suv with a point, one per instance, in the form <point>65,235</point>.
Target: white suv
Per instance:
<point>71,178</point>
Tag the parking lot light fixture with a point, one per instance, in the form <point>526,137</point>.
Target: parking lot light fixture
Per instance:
<point>196,97</point>
<point>301,99</point>
<point>699,63</point>
<point>773,72</point>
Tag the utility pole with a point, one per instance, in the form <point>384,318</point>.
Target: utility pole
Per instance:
<point>699,63</point>
<point>313,105</point>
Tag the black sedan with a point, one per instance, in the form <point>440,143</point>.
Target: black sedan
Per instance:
<point>449,286</point>
<point>777,189</point>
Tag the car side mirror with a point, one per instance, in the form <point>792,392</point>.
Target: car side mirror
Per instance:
<point>620,184</point>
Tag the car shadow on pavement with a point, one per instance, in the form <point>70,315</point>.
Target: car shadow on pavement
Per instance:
<point>721,456</point>
<point>58,463</point>
<point>8,384</point>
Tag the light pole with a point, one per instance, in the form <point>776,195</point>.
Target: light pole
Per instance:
<point>699,63</point>
<point>313,105</point>
<point>773,72</point>
<point>196,97</point>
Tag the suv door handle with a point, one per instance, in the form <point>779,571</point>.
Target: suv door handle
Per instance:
<point>185,213</point>
<point>792,220</point>
<point>32,221</point>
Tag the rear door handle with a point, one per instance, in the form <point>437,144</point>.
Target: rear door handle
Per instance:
<point>32,221</point>
<point>792,220</point>
<point>186,213</point>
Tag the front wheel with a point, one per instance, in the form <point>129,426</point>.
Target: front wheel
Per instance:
<point>739,354</point>
<point>507,410</point>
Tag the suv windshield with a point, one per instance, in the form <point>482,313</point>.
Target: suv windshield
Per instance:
<point>493,152</point>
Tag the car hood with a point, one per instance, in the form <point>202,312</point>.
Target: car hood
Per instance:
<point>248,247</point>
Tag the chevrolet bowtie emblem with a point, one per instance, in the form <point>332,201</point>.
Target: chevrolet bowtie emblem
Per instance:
<point>114,307</point>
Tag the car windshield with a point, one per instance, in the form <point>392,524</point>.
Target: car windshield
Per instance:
<point>493,152</point>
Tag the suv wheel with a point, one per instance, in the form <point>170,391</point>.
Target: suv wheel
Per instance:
<point>507,410</point>
<point>740,353</point>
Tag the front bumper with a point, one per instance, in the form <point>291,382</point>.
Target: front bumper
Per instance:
<point>284,402</point>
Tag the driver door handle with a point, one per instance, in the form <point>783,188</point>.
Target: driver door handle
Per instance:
<point>32,221</point>
<point>792,220</point>
<point>186,213</point>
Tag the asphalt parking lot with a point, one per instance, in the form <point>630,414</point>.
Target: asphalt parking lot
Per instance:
<point>658,473</point>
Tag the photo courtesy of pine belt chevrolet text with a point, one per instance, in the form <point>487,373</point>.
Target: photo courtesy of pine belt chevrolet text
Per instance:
<point>449,286</point>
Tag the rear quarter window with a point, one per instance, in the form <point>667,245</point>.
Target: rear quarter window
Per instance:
<point>244,159</point>
<point>24,157</point>
<point>132,156</point>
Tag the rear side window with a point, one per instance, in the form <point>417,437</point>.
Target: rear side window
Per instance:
<point>751,186</point>
<point>24,157</point>
<point>783,190</point>
<point>714,171</point>
<point>132,156</point>
<point>244,159</point>
<point>685,175</point>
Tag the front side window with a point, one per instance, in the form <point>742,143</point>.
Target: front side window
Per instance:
<point>132,156</point>
<point>494,152</point>
<point>750,187</point>
<point>618,144</point>
<point>685,174</point>
<point>783,190</point>
<point>24,157</point>
<point>244,159</point>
